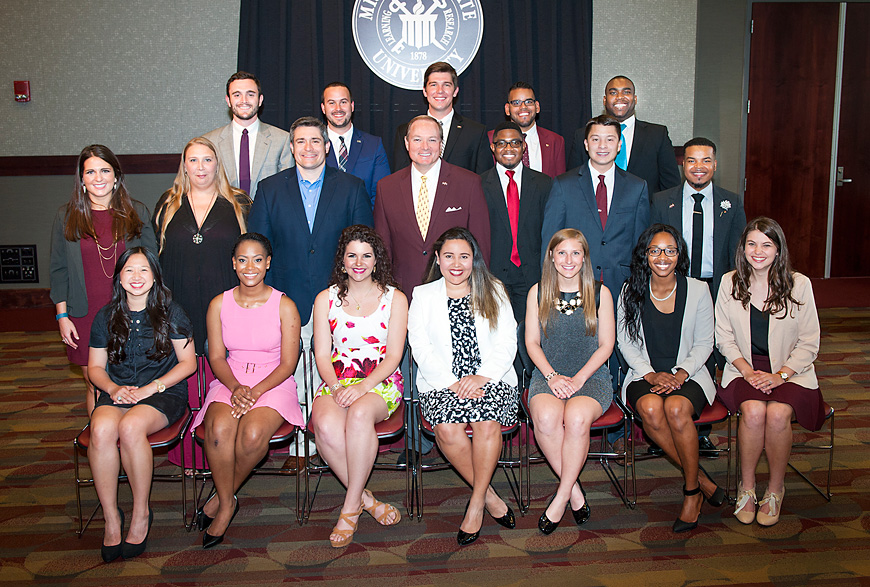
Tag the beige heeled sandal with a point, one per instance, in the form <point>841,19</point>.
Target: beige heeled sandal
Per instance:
<point>345,536</point>
<point>774,502</point>
<point>383,519</point>
<point>744,496</point>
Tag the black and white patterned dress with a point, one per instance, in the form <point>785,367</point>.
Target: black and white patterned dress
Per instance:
<point>442,406</point>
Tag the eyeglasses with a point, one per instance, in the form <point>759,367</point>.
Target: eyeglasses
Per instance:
<point>526,102</point>
<point>515,143</point>
<point>655,252</point>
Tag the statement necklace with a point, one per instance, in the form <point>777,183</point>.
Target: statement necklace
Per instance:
<point>664,299</point>
<point>110,258</point>
<point>197,237</point>
<point>568,307</point>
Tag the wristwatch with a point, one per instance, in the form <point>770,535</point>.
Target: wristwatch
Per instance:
<point>783,375</point>
<point>160,387</point>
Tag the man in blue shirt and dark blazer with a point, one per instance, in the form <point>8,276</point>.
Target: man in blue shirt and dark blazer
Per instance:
<point>302,212</point>
<point>353,150</point>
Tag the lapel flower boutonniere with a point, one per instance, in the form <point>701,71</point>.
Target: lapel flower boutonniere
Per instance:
<point>725,205</point>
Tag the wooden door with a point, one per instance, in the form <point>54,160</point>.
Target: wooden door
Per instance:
<point>850,243</point>
<point>792,79</point>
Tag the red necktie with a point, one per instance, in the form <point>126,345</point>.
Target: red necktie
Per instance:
<point>244,163</point>
<point>601,201</point>
<point>513,207</point>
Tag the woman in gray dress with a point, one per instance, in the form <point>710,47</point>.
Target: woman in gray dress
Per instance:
<point>570,332</point>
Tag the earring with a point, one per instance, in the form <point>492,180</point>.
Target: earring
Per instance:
<point>374,268</point>
<point>343,270</point>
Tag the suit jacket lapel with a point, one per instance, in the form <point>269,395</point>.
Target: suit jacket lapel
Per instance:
<point>441,190</point>
<point>228,154</point>
<point>637,144</point>
<point>407,202</point>
<point>356,145</point>
<point>587,193</point>
<point>327,193</point>
<point>675,210</point>
<point>453,135</point>
<point>264,139</point>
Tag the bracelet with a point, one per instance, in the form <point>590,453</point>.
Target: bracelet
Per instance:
<point>61,315</point>
<point>550,376</point>
<point>333,388</point>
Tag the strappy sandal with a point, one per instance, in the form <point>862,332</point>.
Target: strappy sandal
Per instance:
<point>774,500</point>
<point>383,519</point>
<point>744,496</point>
<point>346,536</point>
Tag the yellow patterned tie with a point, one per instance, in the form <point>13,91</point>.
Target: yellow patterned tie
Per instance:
<point>423,208</point>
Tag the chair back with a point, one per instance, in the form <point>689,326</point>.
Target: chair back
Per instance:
<point>525,359</point>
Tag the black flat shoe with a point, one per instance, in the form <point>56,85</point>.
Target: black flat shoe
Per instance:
<point>545,525</point>
<point>128,550</point>
<point>202,520</point>
<point>508,520</point>
<point>718,498</point>
<point>582,515</point>
<point>680,525</point>
<point>110,553</point>
<point>208,540</point>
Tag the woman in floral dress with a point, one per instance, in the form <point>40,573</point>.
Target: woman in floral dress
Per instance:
<point>360,323</point>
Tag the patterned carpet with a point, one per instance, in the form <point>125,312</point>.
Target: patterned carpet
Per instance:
<point>815,543</point>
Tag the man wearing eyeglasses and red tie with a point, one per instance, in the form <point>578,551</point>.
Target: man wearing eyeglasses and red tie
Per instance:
<point>544,150</point>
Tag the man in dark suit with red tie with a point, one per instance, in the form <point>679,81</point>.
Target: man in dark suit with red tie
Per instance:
<point>464,141</point>
<point>544,150</point>
<point>516,196</point>
<point>646,149</point>
<point>411,212</point>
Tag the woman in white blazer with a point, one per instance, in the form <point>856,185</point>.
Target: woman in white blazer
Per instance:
<point>665,333</point>
<point>463,336</point>
<point>767,328</point>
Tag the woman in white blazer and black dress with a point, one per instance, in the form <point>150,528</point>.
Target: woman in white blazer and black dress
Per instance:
<point>665,332</point>
<point>463,335</point>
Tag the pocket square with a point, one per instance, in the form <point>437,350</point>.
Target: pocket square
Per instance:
<point>452,209</point>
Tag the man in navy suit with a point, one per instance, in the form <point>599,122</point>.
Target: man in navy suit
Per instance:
<point>646,152</point>
<point>608,205</point>
<point>465,143</point>
<point>515,196</point>
<point>302,211</point>
<point>545,150</point>
<point>353,150</point>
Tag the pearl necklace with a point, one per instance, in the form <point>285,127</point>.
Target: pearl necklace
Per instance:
<point>664,299</point>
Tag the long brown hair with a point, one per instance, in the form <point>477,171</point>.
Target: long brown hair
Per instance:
<point>171,199</point>
<point>382,273</point>
<point>780,275</point>
<point>126,224</point>
<point>486,289</point>
<point>548,290</point>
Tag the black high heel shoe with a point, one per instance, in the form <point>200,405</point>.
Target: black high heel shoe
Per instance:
<point>718,498</point>
<point>582,515</point>
<point>128,550</point>
<point>682,526</point>
<point>465,538</point>
<point>202,520</point>
<point>208,540</point>
<point>545,524</point>
<point>508,520</point>
<point>110,553</point>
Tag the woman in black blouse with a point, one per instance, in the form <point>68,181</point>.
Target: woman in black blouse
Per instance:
<point>140,356</point>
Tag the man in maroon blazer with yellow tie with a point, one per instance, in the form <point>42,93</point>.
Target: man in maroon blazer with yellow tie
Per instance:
<point>415,205</point>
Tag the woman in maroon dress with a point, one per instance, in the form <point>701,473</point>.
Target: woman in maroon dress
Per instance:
<point>90,232</point>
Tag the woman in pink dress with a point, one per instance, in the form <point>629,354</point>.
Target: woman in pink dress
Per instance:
<point>254,391</point>
<point>360,323</point>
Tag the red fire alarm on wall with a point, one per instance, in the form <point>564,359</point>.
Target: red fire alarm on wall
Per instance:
<point>22,91</point>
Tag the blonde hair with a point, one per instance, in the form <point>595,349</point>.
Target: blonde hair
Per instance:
<point>170,201</point>
<point>548,290</point>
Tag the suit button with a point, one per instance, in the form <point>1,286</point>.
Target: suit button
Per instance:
<point>425,253</point>
<point>311,251</point>
<point>603,243</point>
<point>598,268</point>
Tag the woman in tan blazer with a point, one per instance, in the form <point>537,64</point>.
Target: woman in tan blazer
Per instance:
<point>767,328</point>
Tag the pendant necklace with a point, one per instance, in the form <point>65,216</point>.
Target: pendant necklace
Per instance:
<point>364,297</point>
<point>197,237</point>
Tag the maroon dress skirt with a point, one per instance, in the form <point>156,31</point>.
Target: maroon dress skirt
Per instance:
<point>99,267</point>
<point>808,406</point>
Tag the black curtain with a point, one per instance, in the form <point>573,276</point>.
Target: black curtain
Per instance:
<point>298,47</point>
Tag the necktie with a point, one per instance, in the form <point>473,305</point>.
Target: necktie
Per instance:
<point>513,208</point>
<point>442,138</point>
<point>601,201</point>
<point>525,152</point>
<point>423,208</point>
<point>622,156</point>
<point>244,163</point>
<point>342,155</point>
<point>697,235</point>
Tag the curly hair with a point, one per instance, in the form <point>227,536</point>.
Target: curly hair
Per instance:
<point>548,291</point>
<point>126,224</point>
<point>382,272</point>
<point>780,275</point>
<point>635,289</point>
<point>157,306</point>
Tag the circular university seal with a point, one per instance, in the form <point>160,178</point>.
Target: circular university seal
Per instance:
<point>399,39</point>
